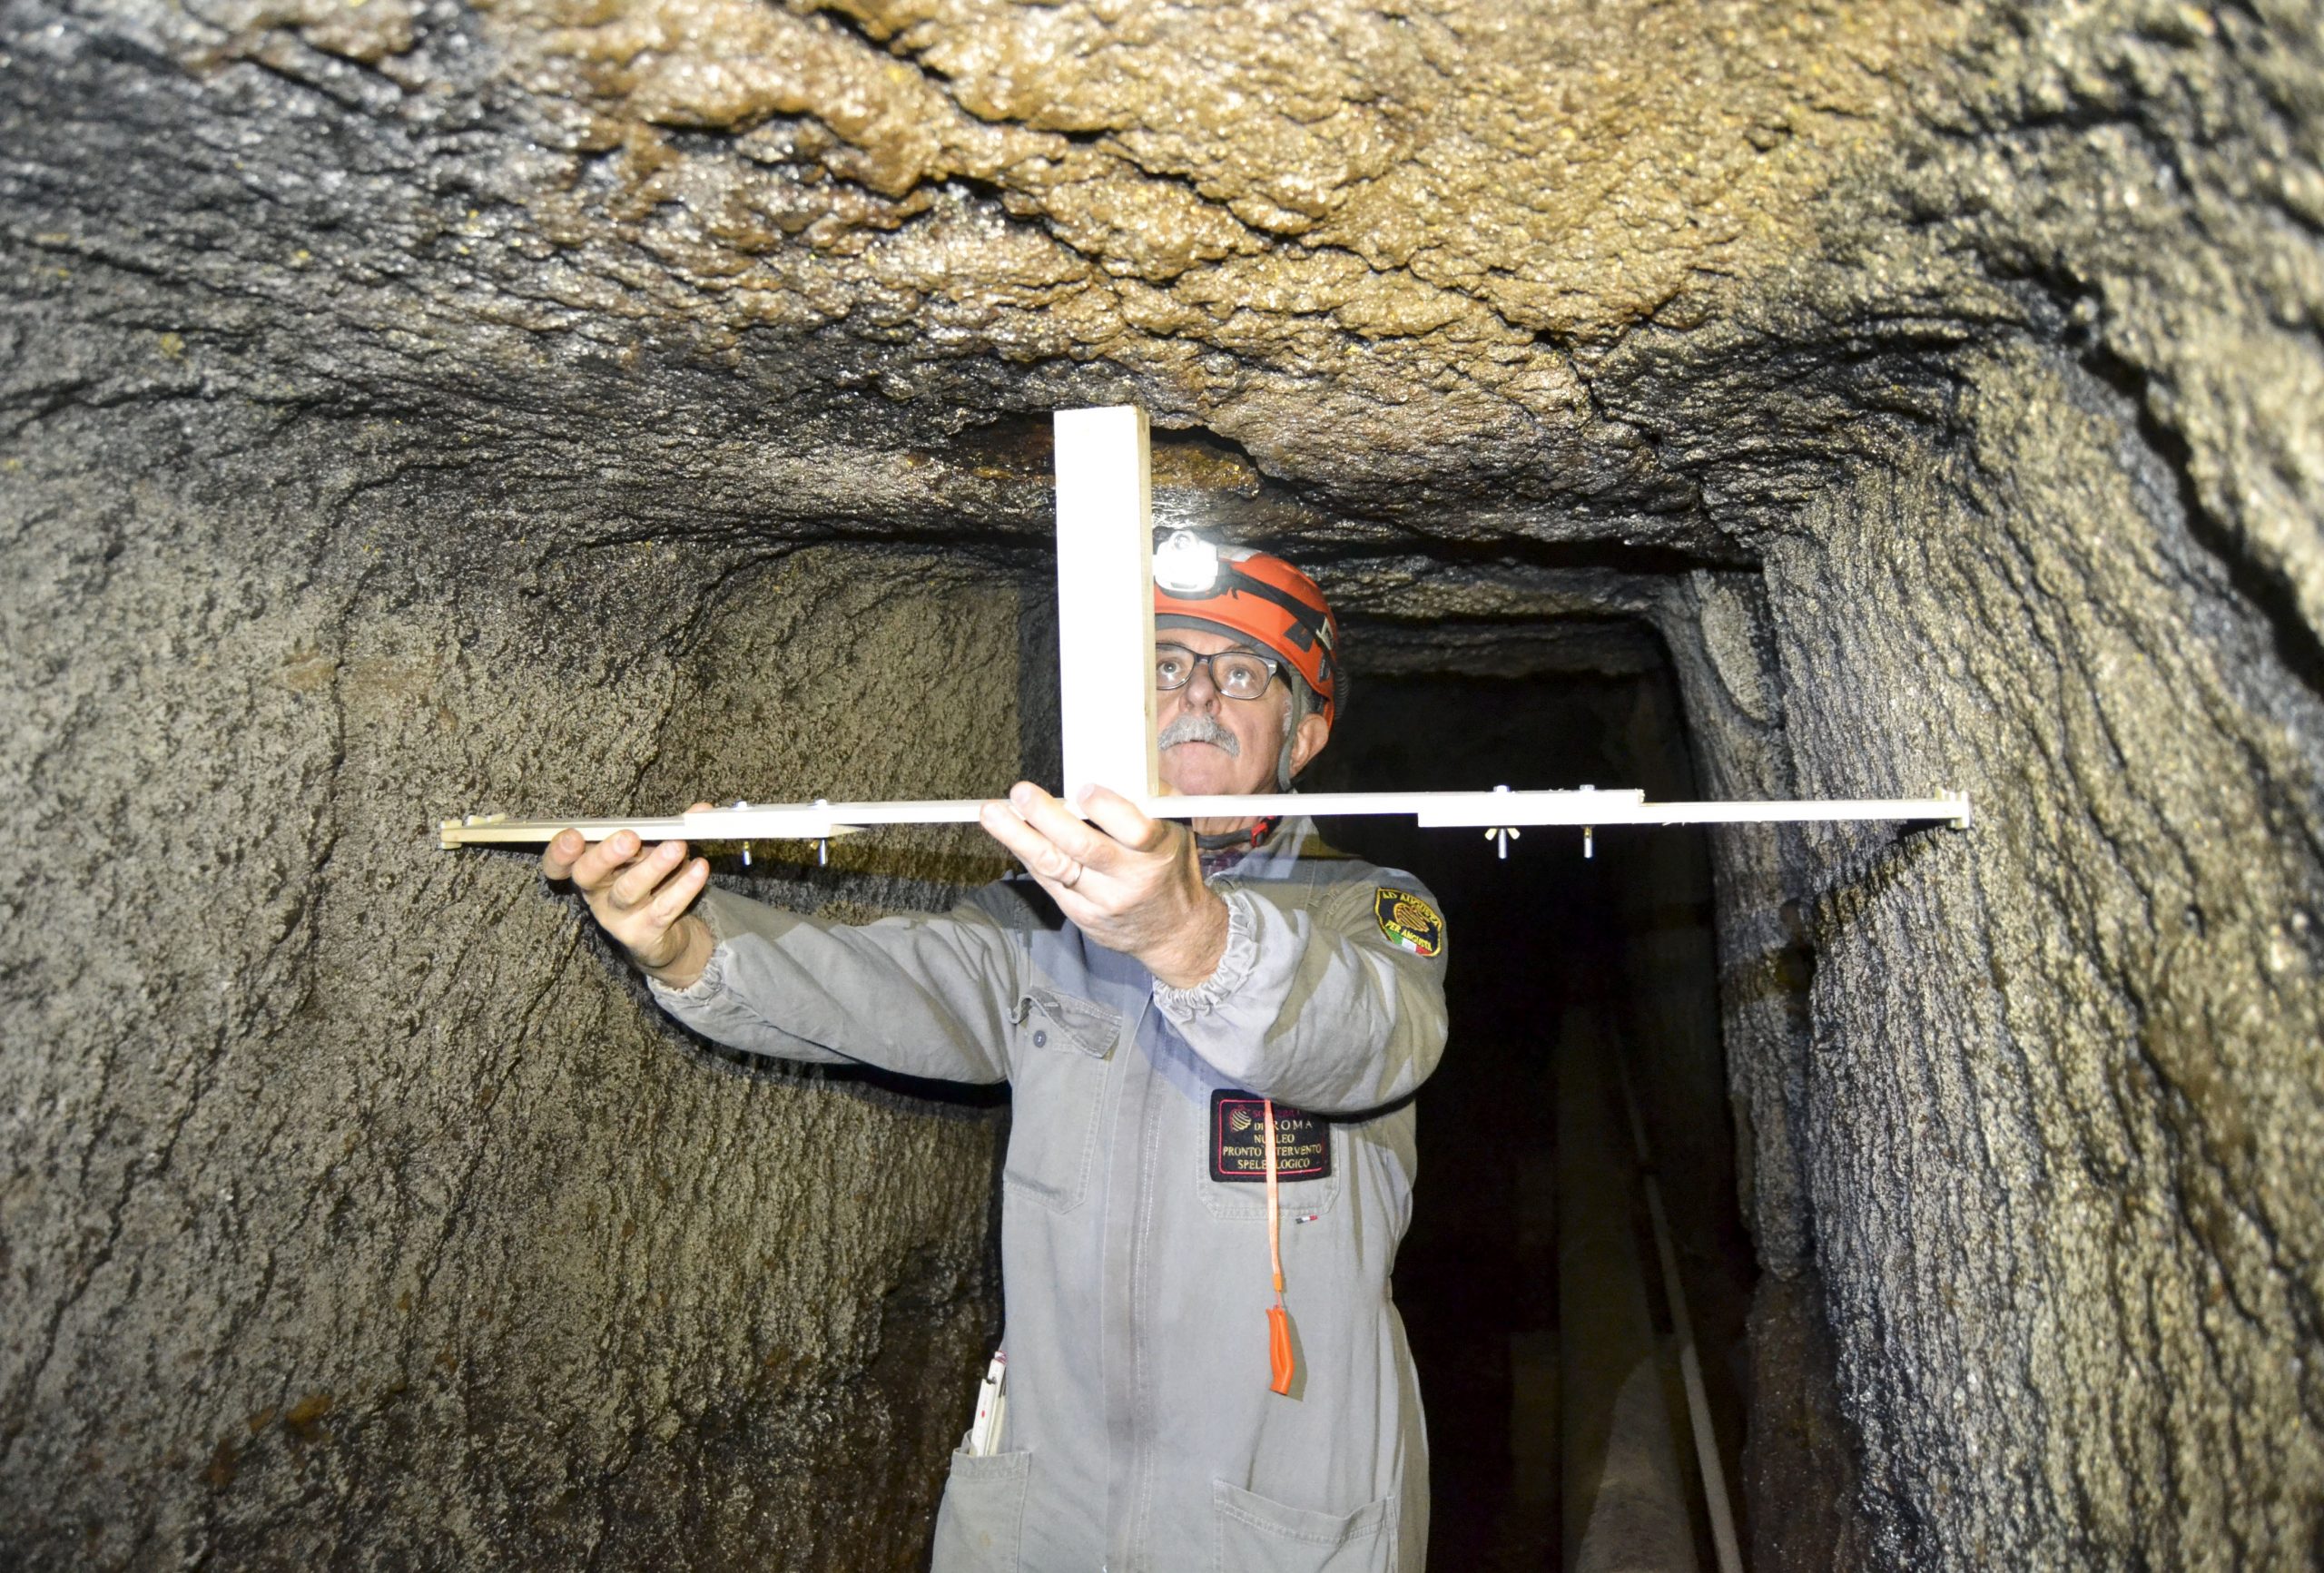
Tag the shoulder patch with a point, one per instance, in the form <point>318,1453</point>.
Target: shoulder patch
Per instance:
<point>1408,921</point>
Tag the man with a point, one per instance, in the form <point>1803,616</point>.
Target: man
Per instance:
<point>1193,1023</point>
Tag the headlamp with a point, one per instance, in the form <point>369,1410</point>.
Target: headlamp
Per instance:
<point>1186,565</point>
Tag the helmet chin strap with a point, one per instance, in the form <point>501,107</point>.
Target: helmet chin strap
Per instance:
<point>1301,706</point>
<point>1235,842</point>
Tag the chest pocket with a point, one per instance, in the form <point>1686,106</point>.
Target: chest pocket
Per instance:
<point>1057,1076</point>
<point>1245,1198</point>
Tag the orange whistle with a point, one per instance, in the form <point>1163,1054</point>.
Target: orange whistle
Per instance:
<point>1279,1349</point>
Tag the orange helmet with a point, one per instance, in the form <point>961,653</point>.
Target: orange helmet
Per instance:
<point>1261,597</point>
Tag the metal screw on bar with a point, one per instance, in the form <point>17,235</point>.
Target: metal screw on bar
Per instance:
<point>1504,833</point>
<point>746,846</point>
<point>1589,832</point>
<point>822,843</point>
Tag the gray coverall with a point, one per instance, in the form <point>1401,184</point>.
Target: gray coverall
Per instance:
<point>1140,1435</point>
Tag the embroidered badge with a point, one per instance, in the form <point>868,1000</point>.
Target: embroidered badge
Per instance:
<point>1409,922</point>
<point>1238,1140</point>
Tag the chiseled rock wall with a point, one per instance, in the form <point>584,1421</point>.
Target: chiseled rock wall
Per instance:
<point>355,1214</point>
<point>2060,1081</point>
<point>406,408</point>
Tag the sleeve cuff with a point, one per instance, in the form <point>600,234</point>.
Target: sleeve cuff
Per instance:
<point>1234,967</point>
<point>706,987</point>
<point>714,971</point>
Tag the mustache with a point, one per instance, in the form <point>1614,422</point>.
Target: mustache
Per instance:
<point>1198,729</point>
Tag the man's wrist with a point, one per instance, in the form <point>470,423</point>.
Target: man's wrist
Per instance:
<point>684,970</point>
<point>1194,953</point>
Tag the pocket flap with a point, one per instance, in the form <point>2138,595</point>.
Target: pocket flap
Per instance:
<point>1085,1025</point>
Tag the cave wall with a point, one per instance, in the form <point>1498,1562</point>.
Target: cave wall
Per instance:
<point>2019,1116</point>
<point>2059,1142</point>
<point>355,1212</point>
<point>410,408</point>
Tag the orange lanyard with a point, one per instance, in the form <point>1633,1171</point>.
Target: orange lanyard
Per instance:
<point>1279,1319</point>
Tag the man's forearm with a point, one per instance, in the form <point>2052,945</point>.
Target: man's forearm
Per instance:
<point>923,995</point>
<point>1320,1011</point>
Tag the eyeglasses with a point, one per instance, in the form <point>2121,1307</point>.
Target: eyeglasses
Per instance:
<point>1236,674</point>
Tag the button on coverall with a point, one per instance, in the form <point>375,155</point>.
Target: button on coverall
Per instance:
<point>1140,1435</point>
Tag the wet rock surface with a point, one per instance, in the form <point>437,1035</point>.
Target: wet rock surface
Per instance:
<point>407,409</point>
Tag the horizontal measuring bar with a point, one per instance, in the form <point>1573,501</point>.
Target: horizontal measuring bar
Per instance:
<point>768,822</point>
<point>1432,808</point>
<point>816,821</point>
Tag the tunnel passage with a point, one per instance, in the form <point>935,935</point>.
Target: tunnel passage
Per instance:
<point>1553,955</point>
<point>420,408</point>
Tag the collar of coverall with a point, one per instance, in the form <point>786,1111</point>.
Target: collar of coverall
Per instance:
<point>1221,852</point>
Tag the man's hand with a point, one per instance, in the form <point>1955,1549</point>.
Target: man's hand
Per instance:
<point>640,896</point>
<point>1131,884</point>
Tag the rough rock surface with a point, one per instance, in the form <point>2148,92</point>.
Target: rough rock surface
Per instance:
<point>406,409</point>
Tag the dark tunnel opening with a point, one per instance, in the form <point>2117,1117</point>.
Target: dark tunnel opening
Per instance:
<point>1558,965</point>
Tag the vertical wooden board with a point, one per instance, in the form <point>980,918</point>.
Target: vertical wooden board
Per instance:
<point>1105,599</point>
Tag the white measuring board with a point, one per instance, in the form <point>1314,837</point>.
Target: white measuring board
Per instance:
<point>1105,598</point>
<point>1106,679</point>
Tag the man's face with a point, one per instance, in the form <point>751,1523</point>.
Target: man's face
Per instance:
<point>1233,744</point>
